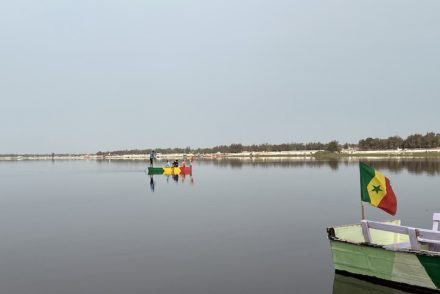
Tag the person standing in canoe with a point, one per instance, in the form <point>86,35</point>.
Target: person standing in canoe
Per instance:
<point>152,157</point>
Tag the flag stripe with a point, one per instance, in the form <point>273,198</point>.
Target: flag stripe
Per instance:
<point>389,202</point>
<point>367,173</point>
<point>377,182</point>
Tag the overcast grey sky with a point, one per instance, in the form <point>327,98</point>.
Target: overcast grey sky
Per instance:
<point>90,75</point>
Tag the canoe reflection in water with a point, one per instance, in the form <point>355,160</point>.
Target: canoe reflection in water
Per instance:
<point>183,179</point>
<point>348,285</point>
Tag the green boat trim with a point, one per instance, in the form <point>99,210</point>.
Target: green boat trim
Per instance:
<point>388,252</point>
<point>155,170</point>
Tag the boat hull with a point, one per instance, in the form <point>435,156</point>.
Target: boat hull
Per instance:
<point>383,262</point>
<point>398,267</point>
<point>187,170</point>
<point>171,171</point>
<point>155,170</point>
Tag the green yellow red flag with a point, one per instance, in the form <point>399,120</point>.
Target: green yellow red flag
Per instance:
<point>376,189</point>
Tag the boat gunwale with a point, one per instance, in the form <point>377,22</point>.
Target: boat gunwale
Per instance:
<point>332,237</point>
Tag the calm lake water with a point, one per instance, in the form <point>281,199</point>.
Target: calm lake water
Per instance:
<point>233,227</point>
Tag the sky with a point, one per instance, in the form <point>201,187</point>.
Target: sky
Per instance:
<point>83,76</point>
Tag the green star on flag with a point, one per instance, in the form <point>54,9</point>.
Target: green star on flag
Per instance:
<point>376,189</point>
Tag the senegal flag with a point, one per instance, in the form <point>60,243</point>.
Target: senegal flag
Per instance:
<point>376,189</point>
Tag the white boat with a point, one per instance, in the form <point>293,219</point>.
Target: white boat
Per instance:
<point>389,253</point>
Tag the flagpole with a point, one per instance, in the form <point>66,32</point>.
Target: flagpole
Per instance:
<point>362,211</point>
<point>362,204</point>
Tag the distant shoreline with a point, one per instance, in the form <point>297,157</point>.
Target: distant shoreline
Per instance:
<point>306,154</point>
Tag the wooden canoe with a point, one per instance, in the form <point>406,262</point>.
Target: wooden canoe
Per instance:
<point>187,170</point>
<point>388,253</point>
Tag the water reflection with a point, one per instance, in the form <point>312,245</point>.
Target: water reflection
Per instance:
<point>429,166</point>
<point>182,178</point>
<point>176,178</point>
<point>348,285</point>
<point>152,183</point>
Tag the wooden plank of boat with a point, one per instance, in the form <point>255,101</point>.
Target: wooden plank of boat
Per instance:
<point>155,170</point>
<point>399,256</point>
<point>171,171</point>
<point>186,170</point>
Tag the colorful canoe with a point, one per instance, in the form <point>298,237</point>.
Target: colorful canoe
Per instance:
<point>170,170</point>
<point>388,253</point>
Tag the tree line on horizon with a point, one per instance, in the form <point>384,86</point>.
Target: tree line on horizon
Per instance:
<point>415,141</point>
<point>429,140</point>
<point>233,148</point>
